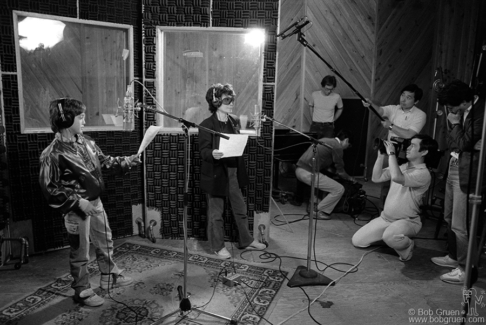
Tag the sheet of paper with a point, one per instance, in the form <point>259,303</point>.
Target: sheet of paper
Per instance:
<point>235,146</point>
<point>148,137</point>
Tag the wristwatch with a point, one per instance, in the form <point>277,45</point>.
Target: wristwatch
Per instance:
<point>391,126</point>
<point>391,154</point>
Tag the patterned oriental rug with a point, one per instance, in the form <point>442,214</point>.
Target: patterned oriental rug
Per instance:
<point>157,273</point>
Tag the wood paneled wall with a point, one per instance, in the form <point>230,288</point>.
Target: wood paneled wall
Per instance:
<point>378,46</point>
<point>414,38</point>
<point>290,74</point>
<point>404,55</point>
<point>342,33</point>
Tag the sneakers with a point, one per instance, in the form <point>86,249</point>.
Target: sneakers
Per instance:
<point>223,253</point>
<point>445,261</point>
<point>110,281</point>
<point>410,254</point>
<point>89,298</point>
<point>456,276</point>
<point>256,245</point>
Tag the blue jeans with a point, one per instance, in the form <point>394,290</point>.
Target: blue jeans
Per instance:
<point>79,233</point>
<point>395,234</point>
<point>455,214</point>
<point>215,228</point>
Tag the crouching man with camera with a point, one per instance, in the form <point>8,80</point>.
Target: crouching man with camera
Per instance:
<point>400,219</point>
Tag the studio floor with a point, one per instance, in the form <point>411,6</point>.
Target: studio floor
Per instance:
<point>380,290</point>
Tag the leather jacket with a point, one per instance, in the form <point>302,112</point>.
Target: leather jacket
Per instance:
<point>70,171</point>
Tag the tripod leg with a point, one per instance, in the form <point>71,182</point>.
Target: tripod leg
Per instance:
<point>288,224</point>
<point>216,315</point>
<point>161,320</point>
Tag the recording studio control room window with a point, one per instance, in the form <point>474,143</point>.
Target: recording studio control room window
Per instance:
<point>192,59</point>
<point>65,57</point>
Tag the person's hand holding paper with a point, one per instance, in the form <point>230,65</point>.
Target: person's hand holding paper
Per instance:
<point>148,137</point>
<point>234,146</point>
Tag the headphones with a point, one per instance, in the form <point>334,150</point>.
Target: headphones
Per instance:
<point>216,101</point>
<point>65,118</point>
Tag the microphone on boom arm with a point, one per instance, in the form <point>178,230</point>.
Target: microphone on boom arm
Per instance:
<point>298,28</point>
<point>291,26</point>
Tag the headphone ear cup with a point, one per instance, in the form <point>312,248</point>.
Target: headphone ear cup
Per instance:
<point>67,122</point>
<point>216,101</point>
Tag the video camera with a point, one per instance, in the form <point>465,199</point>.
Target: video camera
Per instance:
<point>380,145</point>
<point>399,144</point>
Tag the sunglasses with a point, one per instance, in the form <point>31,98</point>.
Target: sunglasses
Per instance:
<point>228,100</point>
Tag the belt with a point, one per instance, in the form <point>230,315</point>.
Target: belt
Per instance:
<point>324,122</point>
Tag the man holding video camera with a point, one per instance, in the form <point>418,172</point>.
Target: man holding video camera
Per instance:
<point>403,121</point>
<point>400,218</point>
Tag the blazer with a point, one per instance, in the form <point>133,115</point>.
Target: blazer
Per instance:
<point>214,173</point>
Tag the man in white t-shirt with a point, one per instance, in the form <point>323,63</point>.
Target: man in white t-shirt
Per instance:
<point>326,107</point>
<point>403,121</point>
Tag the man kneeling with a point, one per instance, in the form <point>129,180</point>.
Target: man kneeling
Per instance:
<point>400,218</point>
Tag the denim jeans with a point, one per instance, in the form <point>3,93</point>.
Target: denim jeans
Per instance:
<point>455,214</point>
<point>79,233</point>
<point>395,234</point>
<point>322,182</point>
<point>215,228</point>
<point>323,130</point>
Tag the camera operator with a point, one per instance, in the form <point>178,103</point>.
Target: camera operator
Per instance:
<point>402,121</point>
<point>400,218</point>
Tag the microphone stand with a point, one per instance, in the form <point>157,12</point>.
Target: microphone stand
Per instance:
<point>185,303</point>
<point>305,276</point>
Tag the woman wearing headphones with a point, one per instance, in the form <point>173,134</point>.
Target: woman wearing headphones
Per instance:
<point>223,177</point>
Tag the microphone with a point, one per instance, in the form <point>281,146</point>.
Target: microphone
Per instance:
<point>297,29</point>
<point>261,228</point>
<point>129,109</point>
<point>438,83</point>
<point>292,25</point>
<point>128,104</point>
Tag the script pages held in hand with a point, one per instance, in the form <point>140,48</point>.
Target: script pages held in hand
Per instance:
<point>148,137</point>
<point>235,146</point>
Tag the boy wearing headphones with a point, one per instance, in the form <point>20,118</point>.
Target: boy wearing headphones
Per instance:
<point>71,180</point>
<point>223,177</point>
